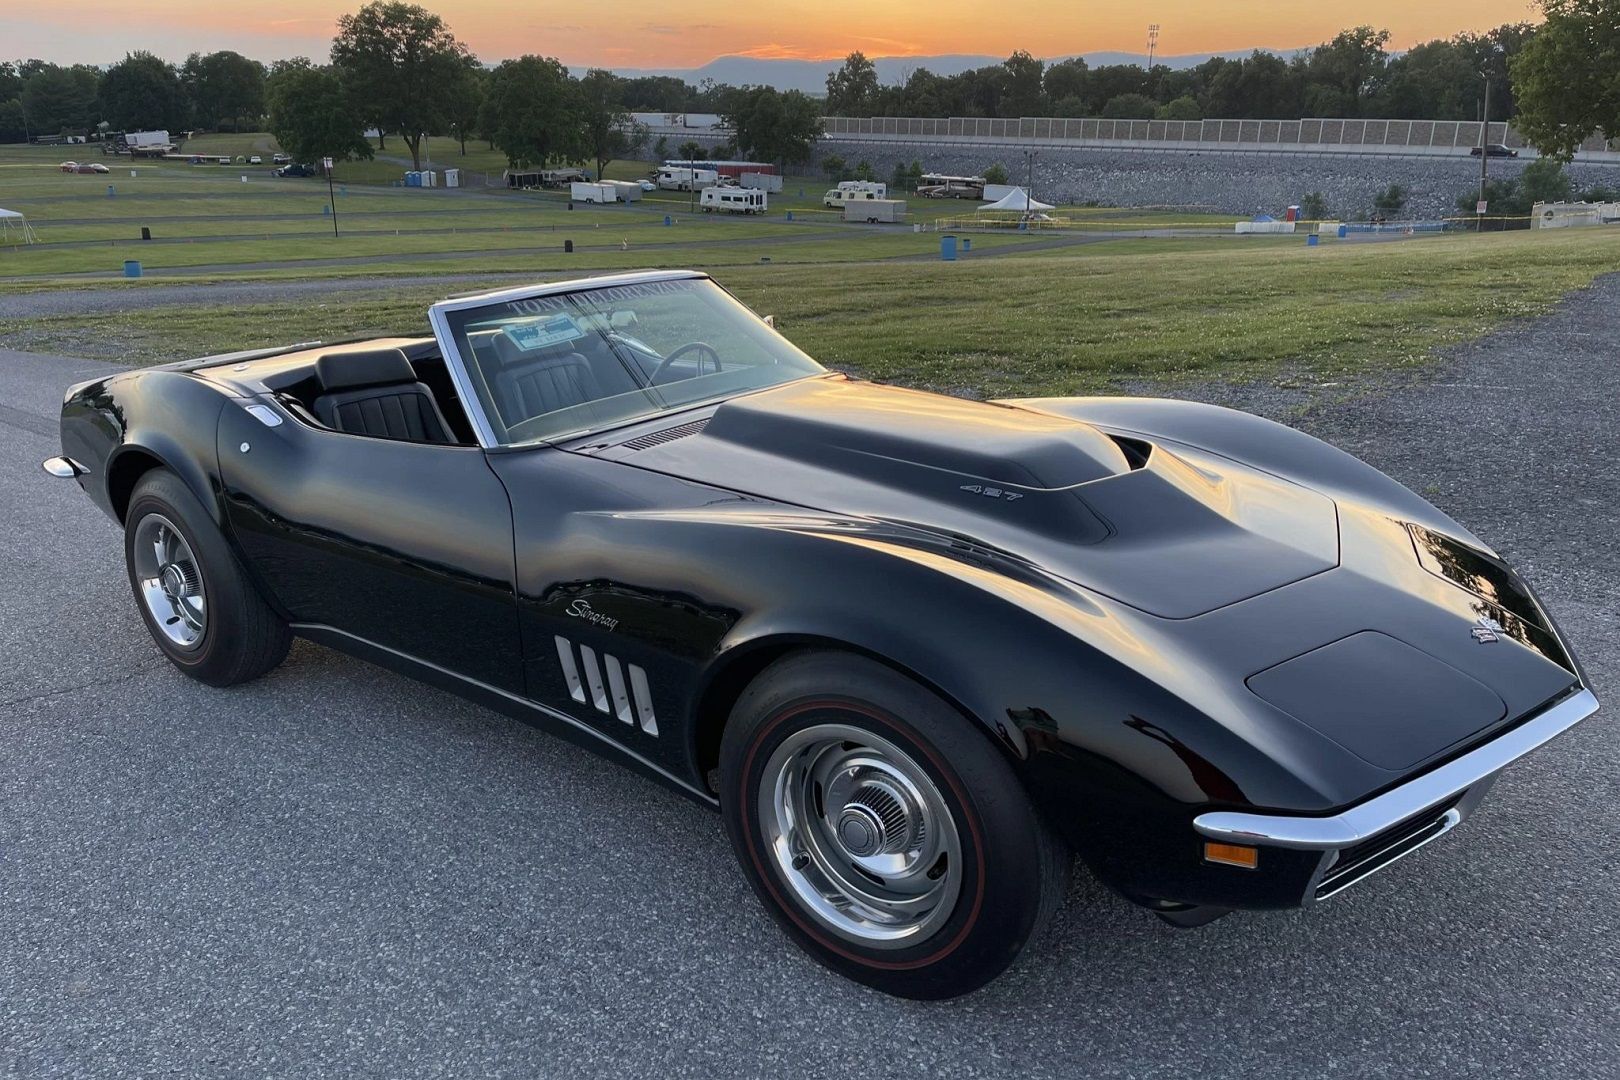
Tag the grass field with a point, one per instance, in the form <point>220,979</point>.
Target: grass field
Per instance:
<point>1037,324</point>
<point>1059,312</point>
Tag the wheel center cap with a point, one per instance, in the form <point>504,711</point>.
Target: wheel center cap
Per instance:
<point>859,830</point>
<point>173,580</point>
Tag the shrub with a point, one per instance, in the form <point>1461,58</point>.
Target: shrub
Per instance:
<point>996,174</point>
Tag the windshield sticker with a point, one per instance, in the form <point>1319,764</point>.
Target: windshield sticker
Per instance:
<point>541,305</point>
<point>529,336</point>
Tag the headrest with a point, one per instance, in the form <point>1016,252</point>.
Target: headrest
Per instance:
<point>372,367</point>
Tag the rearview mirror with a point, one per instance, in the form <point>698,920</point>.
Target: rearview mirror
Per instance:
<point>623,320</point>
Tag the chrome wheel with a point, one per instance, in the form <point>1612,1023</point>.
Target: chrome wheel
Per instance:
<point>170,581</point>
<point>861,834</point>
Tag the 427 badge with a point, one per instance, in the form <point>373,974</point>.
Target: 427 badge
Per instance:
<point>992,492</point>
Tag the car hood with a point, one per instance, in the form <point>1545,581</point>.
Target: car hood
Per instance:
<point>1175,534</point>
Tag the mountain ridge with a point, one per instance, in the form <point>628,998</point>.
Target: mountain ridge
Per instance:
<point>811,75</point>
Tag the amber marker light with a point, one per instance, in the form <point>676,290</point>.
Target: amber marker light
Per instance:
<point>1232,855</point>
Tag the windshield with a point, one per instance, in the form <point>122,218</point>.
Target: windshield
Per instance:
<point>563,364</point>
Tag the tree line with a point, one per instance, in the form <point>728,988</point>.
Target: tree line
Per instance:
<point>397,68</point>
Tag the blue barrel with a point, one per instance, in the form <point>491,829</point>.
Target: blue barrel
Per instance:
<point>132,268</point>
<point>668,220</point>
<point>967,244</point>
<point>1344,230</point>
<point>1312,240</point>
<point>790,215</point>
<point>326,210</point>
<point>947,248</point>
<point>110,191</point>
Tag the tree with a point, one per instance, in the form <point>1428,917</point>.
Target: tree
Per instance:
<point>605,120</point>
<point>661,148</point>
<point>996,174</point>
<point>1066,85</point>
<point>1313,207</point>
<point>835,167</point>
<point>852,89</point>
<point>863,171</point>
<point>1259,86</point>
<point>774,126</point>
<point>1130,107</point>
<point>311,116</point>
<point>1565,76</point>
<point>224,86</point>
<point>1344,72</point>
<point>1182,108</point>
<point>141,92</point>
<point>57,99</point>
<point>690,150</point>
<point>1544,180</point>
<point>467,102</point>
<point>401,65</point>
<point>534,112</point>
<point>1021,90</point>
<point>1390,200</point>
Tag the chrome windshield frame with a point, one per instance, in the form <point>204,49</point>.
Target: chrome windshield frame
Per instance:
<point>460,372</point>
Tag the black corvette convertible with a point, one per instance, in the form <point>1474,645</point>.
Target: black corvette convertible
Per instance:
<point>919,651</point>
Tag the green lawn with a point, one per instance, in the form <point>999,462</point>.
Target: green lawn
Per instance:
<point>1090,320</point>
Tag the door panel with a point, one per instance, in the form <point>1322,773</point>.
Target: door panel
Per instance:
<point>406,545</point>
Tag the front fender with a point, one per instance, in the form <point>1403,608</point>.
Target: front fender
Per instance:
<point>118,427</point>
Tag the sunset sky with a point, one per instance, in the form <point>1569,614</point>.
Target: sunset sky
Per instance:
<point>659,34</point>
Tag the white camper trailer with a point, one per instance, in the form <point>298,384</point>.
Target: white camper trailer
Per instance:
<point>680,178</point>
<point>732,200</point>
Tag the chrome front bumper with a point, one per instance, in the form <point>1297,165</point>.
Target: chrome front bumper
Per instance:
<point>1416,812</point>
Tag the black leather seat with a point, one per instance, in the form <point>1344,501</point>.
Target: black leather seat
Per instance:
<point>376,393</point>
<point>528,386</point>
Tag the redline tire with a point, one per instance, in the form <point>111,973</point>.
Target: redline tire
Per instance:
<point>240,637</point>
<point>1011,873</point>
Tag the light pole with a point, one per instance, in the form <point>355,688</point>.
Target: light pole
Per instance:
<point>1485,134</point>
<point>1029,182</point>
<point>1484,150</point>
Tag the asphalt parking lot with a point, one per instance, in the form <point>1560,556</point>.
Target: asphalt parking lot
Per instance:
<point>334,871</point>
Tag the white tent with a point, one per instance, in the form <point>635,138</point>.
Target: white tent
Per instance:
<point>13,221</point>
<point>1019,202</point>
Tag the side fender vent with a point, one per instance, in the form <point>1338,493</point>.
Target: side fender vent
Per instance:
<point>659,438</point>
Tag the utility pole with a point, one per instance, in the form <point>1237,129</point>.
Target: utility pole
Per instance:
<point>1153,43</point>
<point>1484,150</point>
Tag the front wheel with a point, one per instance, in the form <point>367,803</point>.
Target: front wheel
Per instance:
<point>883,830</point>
<point>196,599</point>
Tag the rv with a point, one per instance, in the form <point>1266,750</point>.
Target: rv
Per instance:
<point>732,200</point>
<point>843,196</point>
<point>680,178</point>
<point>939,186</point>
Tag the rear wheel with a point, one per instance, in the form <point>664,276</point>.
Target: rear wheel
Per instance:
<point>196,599</point>
<point>883,830</point>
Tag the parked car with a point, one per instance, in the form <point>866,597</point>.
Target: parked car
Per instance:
<point>255,159</point>
<point>69,166</point>
<point>1494,150</point>
<point>647,185</point>
<point>89,167</point>
<point>296,170</point>
<point>280,159</point>
<point>917,650</point>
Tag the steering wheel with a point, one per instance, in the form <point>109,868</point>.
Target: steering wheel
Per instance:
<point>706,350</point>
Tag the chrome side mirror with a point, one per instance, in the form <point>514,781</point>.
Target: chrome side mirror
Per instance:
<point>770,321</point>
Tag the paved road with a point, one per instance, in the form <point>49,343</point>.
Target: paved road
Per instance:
<point>335,871</point>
